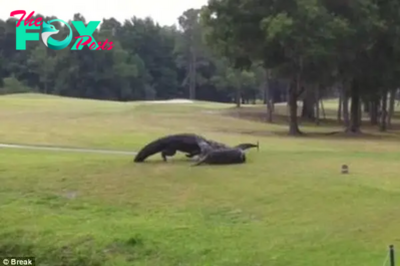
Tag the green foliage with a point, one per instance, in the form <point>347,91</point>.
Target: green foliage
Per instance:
<point>147,61</point>
<point>13,85</point>
<point>353,43</point>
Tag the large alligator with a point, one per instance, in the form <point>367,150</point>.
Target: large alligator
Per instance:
<point>235,155</point>
<point>186,142</point>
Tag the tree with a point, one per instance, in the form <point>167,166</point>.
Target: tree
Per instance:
<point>191,47</point>
<point>42,65</point>
<point>286,36</point>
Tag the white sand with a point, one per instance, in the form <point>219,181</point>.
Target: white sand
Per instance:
<point>172,101</point>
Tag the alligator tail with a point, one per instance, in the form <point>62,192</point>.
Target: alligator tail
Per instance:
<point>245,146</point>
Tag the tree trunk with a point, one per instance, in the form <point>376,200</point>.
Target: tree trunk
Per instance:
<point>237,98</point>
<point>383,125</point>
<point>192,75</point>
<point>323,108</point>
<point>308,104</point>
<point>346,117</point>
<point>317,98</point>
<point>293,122</point>
<point>45,78</point>
<point>373,112</point>
<point>391,106</point>
<point>339,112</point>
<point>268,95</point>
<point>264,95</point>
<point>360,113</point>
<point>354,126</point>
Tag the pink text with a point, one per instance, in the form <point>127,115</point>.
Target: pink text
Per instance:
<point>29,20</point>
<point>106,45</point>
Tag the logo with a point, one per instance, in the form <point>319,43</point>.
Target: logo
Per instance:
<point>85,33</point>
<point>48,30</point>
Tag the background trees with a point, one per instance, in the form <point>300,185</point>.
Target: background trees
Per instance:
<point>314,44</point>
<point>232,51</point>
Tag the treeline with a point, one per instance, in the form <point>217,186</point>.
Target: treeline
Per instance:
<point>232,51</point>
<point>148,61</point>
<point>316,45</point>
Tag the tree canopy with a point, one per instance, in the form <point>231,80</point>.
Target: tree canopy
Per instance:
<point>310,42</point>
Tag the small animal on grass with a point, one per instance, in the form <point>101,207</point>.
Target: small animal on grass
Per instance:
<point>185,142</point>
<point>234,155</point>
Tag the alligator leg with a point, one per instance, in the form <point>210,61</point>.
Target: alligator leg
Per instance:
<point>200,161</point>
<point>192,154</point>
<point>166,153</point>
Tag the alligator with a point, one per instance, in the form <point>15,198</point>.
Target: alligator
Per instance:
<point>235,155</point>
<point>186,143</point>
<point>169,145</point>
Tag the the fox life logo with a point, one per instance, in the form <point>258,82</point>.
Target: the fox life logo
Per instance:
<point>85,33</point>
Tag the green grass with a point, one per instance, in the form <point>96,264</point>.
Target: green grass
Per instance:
<point>289,205</point>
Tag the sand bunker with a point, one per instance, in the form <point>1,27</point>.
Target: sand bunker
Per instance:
<point>172,101</point>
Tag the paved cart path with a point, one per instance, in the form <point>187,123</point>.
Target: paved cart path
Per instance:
<point>63,149</point>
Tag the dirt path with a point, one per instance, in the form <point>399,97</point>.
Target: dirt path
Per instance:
<point>64,149</point>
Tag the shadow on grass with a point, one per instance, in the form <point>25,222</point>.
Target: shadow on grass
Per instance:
<point>328,128</point>
<point>155,161</point>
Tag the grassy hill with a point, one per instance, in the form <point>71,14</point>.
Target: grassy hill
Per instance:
<point>288,205</point>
